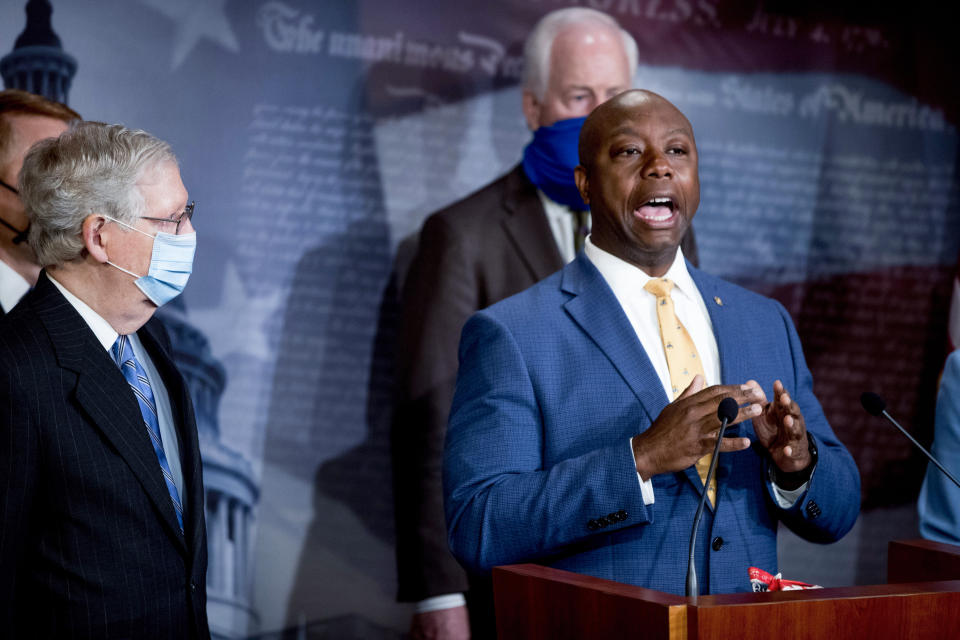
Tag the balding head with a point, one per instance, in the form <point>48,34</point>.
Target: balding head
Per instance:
<point>611,113</point>
<point>638,174</point>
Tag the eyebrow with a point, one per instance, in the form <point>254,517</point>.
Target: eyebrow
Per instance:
<point>624,130</point>
<point>628,130</point>
<point>178,212</point>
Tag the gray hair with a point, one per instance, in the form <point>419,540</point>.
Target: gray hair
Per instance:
<point>91,168</point>
<point>536,50</point>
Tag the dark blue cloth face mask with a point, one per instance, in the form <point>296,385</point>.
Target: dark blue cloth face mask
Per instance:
<point>550,158</point>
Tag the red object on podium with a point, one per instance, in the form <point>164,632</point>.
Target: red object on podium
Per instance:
<point>922,601</point>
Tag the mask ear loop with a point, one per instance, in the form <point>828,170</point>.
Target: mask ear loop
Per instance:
<point>115,266</point>
<point>130,273</point>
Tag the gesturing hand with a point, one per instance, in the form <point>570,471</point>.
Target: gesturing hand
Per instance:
<point>782,430</point>
<point>687,428</point>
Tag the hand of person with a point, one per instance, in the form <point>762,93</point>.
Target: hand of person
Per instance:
<point>443,624</point>
<point>782,430</point>
<point>687,428</point>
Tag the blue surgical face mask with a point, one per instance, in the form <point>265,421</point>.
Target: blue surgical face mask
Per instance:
<point>171,264</point>
<point>550,158</point>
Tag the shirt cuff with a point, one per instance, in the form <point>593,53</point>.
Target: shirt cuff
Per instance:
<point>646,486</point>
<point>786,499</point>
<point>438,603</point>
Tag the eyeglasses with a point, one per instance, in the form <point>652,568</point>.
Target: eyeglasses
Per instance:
<point>186,215</point>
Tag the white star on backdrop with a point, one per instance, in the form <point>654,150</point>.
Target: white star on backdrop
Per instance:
<point>238,325</point>
<point>195,19</point>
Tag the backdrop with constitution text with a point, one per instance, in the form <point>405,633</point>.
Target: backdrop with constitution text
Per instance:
<point>317,135</point>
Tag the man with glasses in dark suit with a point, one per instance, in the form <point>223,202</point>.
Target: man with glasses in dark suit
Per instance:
<point>100,473</point>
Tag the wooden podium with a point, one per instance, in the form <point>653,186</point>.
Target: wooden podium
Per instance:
<point>922,600</point>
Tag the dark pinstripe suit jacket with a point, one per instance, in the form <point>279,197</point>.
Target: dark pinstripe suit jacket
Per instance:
<point>89,545</point>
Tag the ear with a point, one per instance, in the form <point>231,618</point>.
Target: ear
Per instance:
<point>95,239</point>
<point>531,110</point>
<point>583,184</point>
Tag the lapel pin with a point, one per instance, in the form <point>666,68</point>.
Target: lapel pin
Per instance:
<point>718,300</point>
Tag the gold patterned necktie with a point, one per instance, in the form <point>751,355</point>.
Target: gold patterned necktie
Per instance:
<point>683,361</point>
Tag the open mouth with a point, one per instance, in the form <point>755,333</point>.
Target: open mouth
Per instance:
<point>656,210</point>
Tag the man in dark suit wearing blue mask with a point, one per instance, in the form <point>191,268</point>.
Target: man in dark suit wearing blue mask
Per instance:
<point>100,471</point>
<point>490,245</point>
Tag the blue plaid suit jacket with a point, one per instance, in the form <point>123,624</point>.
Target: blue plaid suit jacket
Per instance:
<point>552,384</point>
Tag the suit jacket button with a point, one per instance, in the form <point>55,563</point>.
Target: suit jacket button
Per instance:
<point>602,521</point>
<point>717,543</point>
<point>193,586</point>
<point>593,525</point>
<point>813,510</point>
<point>621,515</point>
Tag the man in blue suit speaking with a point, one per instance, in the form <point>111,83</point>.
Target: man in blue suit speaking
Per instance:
<point>586,406</point>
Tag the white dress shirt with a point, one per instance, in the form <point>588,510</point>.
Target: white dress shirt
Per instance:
<point>12,287</point>
<point>627,282</point>
<point>561,219</point>
<point>106,336</point>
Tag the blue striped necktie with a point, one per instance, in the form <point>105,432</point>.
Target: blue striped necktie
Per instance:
<point>136,377</point>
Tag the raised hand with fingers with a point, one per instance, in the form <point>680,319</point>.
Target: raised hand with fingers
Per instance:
<point>781,429</point>
<point>687,428</point>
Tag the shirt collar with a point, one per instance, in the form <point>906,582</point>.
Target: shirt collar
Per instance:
<point>625,277</point>
<point>106,335</point>
<point>552,206</point>
<point>13,286</point>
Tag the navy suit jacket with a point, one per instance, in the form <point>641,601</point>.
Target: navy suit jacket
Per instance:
<point>552,384</point>
<point>90,546</point>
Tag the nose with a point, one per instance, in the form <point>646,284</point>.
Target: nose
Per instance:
<point>657,165</point>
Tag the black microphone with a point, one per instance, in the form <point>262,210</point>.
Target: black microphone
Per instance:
<point>726,412</point>
<point>875,406</point>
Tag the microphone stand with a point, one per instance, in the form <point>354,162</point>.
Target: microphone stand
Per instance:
<point>876,406</point>
<point>693,590</point>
